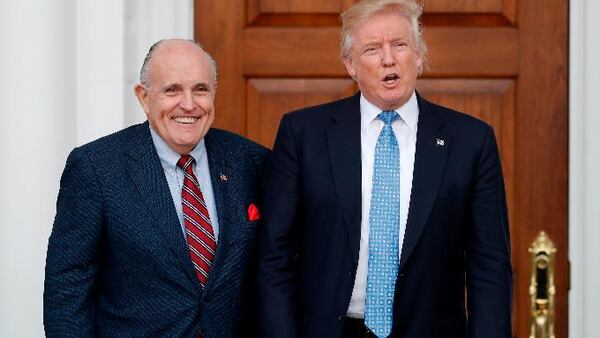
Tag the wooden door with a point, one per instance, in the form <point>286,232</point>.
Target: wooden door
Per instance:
<point>504,61</point>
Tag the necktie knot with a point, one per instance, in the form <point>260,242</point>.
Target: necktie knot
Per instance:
<point>185,161</point>
<point>388,117</point>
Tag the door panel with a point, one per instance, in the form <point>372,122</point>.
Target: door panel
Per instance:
<point>315,51</point>
<point>267,98</point>
<point>297,6</point>
<point>504,61</point>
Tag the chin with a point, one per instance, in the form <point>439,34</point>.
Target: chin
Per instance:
<point>396,101</point>
<point>186,142</point>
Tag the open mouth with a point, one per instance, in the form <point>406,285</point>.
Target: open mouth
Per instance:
<point>390,79</point>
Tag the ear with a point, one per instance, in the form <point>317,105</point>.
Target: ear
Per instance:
<point>350,67</point>
<point>420,63</point>
<point>142,95</point>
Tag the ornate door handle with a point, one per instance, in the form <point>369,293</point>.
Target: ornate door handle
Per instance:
<point>541,287</point>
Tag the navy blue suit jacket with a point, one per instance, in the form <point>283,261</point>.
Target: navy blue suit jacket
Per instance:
<point>118,263</point>
<point>456,236</point>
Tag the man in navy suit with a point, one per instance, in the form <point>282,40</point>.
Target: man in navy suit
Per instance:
<point>156,224</point>
<point>382,207</point>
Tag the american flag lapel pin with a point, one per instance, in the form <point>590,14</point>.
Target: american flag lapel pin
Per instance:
<point>223,178</point>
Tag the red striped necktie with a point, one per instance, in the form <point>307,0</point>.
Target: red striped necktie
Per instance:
<point>199,231</point>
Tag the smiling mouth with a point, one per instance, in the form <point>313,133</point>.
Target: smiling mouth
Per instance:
<point>186,119</point>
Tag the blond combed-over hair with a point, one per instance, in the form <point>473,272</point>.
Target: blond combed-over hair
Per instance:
<point>365,9</point>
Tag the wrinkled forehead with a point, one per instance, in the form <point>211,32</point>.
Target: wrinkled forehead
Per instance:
<point>180,61</point>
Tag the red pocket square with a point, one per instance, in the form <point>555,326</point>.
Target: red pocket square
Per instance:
<point>253,213</point>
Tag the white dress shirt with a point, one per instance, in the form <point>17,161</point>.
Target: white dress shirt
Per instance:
<point>405,129</point>
<point>174,175</point>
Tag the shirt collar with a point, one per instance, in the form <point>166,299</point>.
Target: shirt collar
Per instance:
<point>409,112</point>
<point>169,157</point>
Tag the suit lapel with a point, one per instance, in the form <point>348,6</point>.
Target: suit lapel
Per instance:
<point>220,173</point>
<point>430,160</point>
<point>147,174</point>
<point>343,140</point>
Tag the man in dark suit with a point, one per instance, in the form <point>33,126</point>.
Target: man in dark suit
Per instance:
<point>156,224</point>
<point>381,208</point>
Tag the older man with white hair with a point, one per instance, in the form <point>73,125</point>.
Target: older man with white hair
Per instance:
<point>156,224</point>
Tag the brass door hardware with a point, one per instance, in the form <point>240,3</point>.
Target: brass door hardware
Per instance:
<point>541,287</point>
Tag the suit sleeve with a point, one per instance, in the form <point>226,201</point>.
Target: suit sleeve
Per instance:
<point>489,275</point>
<point>277,247</point>
<point>71,262</point>
<point>249,317</point>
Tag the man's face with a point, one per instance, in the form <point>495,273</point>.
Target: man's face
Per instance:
<point>179,100</point>
<point>384,60</point>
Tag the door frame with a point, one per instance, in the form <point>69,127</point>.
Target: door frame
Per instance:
<point>584,161</point>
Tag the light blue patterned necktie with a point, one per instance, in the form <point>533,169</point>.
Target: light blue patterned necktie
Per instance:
<point>384,225</point>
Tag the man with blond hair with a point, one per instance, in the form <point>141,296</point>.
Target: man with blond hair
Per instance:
<point>380,208</point>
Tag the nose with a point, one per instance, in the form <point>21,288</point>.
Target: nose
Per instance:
<point>387,56</point>
<point>187,101</point>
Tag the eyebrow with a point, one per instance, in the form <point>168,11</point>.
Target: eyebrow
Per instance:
<point>401,39</point>
<point>202,85</point>
<point>371,44</point>
<point>171,85</point>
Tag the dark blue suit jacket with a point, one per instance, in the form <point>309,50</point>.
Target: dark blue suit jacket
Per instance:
<point>118,263</point>
<point>456,236</point>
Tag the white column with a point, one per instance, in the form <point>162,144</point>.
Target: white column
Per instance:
<point>37,127</point>
<point>100,68</point>
<point>584,169</point>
